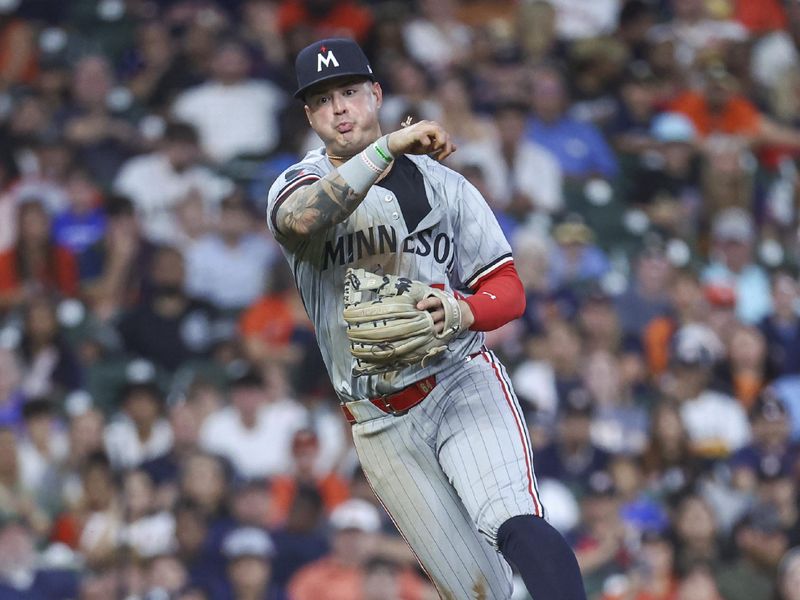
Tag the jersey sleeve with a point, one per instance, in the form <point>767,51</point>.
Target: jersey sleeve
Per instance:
<point>481,246</point>
<point>289,181</point>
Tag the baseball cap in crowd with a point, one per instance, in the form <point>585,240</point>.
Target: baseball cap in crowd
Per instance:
<point>244,374</point>
<point>768,406</point>
<point>764,518</point>
<point>356,514</point>
<point>673,127</point>
<point>577,402</point>
<point>600,484</point>
<point>696,345</point>
<point>141,375</point>
<point>573,232</point>
<point>733,224</point>
<point>328,59</point>
<point>248,541</point>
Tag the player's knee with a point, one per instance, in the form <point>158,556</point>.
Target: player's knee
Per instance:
<point>521,528</point>
<point>542,557</point>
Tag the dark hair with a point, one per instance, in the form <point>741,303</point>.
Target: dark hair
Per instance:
<point>177,131</point>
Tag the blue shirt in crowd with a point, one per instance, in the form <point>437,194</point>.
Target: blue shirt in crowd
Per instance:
<point>579,147</point>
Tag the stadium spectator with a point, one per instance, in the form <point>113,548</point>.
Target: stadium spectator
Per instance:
<point>733,264</point>
<point>340,574</point>
<point>83,223</point>
<point>435,37</point>
<point>717,424</point>
<point>522,176</point>
<point>572,457</point>
<point>249,551</point>
<point>166,326</point>
<point>760,544</point>
<point>159,182</point>
<point>576,260</point>
<point>579,147</point>
<point>49,361</point>
<point>770,446</point>
<point>284,488</point>
<point>228,267</point>
<point>325,18</point>
<point>781,328</point>
<point>301,539</point>
<point>139,432</point>
<point>788,573</point>
<point>254,433</point>
<point>211,107</point>
<point>104,140</point>
<point>36,263</point>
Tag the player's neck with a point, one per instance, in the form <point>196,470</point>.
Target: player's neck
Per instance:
<point>338,158</point>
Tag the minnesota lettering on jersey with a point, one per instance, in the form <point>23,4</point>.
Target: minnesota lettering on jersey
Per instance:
<point>382,239</point>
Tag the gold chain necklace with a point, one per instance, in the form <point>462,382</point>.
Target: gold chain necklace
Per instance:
<point>334,157</point>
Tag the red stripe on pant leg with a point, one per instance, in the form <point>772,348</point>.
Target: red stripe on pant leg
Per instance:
<point>529,471</point>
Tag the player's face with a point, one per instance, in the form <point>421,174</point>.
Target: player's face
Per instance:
<point>345,115</point>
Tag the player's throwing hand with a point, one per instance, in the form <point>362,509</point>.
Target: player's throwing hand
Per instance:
<point>425,137</point>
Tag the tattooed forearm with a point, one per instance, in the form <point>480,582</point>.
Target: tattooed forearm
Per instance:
<point>318,206</point>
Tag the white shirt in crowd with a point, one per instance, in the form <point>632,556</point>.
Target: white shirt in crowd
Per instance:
<point>34,465</point>
<point>230,277</point>
<point>264,450</point>
<point>156,189</point>
<point>715,420</point>
<point>690,38</point>
<point>436,46</point>
<point>151,535</point>
<point>124,448</point>
<point>235,119</point>
<point>578,19</point>
<point>535,173</point>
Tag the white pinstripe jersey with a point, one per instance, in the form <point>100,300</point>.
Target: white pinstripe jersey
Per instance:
<point>423,221</point>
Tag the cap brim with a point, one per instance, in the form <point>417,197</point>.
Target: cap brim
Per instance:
<point>302,91</point>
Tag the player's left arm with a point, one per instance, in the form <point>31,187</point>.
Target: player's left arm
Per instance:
<point>483,263</point>
<point>498,299</point>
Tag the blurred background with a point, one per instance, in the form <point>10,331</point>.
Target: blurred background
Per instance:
<point>167,428</point>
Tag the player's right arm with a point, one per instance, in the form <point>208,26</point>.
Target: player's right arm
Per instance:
<point>317,206</point>
<point>329,200</point>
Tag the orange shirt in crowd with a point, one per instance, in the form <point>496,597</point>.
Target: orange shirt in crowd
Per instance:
<point>16,65</point>
<point>738,117</point>
<point>761,16</point>
<point>333,489</point>
<point>62,274</point>
<point>345,17</point>
<point>271,318</point>
<point>326,579</point>
<point>746,387</point>
<point>656,337</point>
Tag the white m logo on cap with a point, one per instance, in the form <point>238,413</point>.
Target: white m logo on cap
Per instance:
<point>326,60</point>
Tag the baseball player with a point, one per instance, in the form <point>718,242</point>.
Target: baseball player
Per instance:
<point>401,266</point>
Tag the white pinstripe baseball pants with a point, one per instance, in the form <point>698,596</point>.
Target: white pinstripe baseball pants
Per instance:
<point>451,471</point>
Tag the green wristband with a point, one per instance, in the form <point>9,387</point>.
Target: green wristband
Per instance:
<point>383,154</point>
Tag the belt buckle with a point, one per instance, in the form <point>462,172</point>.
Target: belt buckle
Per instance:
<point>387,407</point>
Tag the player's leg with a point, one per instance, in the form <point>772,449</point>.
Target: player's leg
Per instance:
<point>483,447</point>
<point>402,469</point>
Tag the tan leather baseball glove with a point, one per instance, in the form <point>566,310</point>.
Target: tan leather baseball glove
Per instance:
<point>387,331</point>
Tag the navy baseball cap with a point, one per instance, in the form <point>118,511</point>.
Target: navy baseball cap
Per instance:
<point>328,59</point>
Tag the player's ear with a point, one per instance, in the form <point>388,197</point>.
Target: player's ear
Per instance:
<point>377,91</point>
<point>308,113</point>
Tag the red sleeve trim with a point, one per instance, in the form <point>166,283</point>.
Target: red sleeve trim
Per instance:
<point>288,191</point>
<point>498,299</point>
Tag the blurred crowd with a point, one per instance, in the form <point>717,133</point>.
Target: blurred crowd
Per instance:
<point>167,428</point>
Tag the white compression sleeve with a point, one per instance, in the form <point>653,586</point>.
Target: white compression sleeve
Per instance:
<point>361,171</point>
